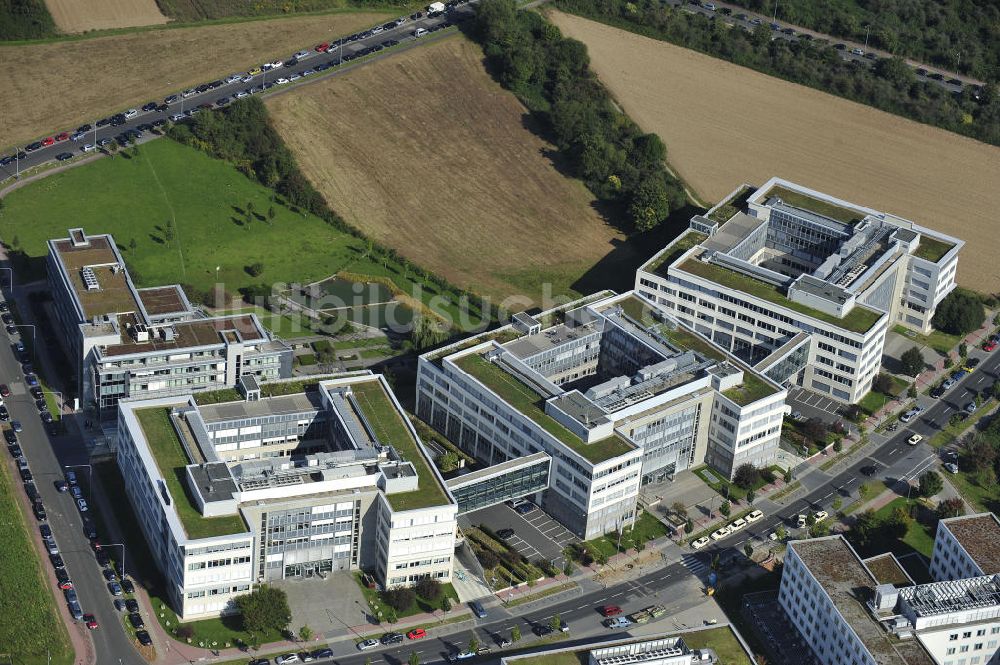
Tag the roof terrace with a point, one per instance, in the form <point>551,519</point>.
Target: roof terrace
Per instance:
<point>797,199</point>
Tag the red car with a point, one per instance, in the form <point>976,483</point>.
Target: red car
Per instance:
<point>990,345</point>
<point>417,633</point>
<point>62,137</point>
<point>90,621</point>
<point>322,48</point>
<point>65,585</point>
<point>4,390</point>
<point>48,140</point>
<point>611,610</point>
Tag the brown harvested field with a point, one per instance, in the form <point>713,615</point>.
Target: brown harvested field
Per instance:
<point>72,16</point>
<point>725,124</point>
<point>427,154</point>
<point>86,79</point>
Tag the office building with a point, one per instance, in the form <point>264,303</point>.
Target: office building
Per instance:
<point>130,342</point>
<point>282,480</point>
<point>614,391</point>
<point>870,612</point>
<point>966,546</point>
<point>802,285</point>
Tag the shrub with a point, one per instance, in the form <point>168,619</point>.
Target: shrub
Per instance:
<point>255,269</point>
<point>746,476</point>
<point>399,598</point>
<point>428,588</point>
<point>952,507</point>
<point>959,313</point>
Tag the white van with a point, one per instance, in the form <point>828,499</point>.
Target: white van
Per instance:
<point>419,32</point>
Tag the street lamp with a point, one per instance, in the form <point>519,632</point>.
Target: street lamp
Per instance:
<point>868,29</point>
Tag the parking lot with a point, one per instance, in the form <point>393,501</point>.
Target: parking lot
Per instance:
<point>536,535</point>
<point>813,405</point>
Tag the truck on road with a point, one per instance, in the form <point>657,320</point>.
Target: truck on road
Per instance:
<point>435,7</point>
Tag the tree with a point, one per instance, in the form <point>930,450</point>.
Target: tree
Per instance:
<point>650,204</point>
<point>568,568</point>
<point>270,214</point>
<point>305,633</point>
<point>263,609</point>
<point>963,350</point>
<point>838,445</point>
<point>132,245</point>
<point>473,643</point>
<point>725,508</point>
<point>948,362</point>
<point>445,604</point>
<point>748,549</point>
<point>487,558</point>
<point>400,598</point>
<point>515,634</point>
<point>897,524</point>
<point>414,658</point>
<point>952,507</point>
<point>679,509</point>
<point>911,362</point>
<point>911,392</point>
<point>883,382</point>
<point>746,476</point>
<point>815,429</point>
<point>555,622</point>
<point>780,532</point>
<point>429,588</point>
<point>689,526</point>
<point>930,483</point>
<point>980,454</point>
<point>787,477</point>
<point>996,390</point>
<point>959,313</point>
<point>751,495</point>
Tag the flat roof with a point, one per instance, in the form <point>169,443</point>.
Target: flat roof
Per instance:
<point>496,469</point>
<point>387,423</point>
<point>114,294</point>
<point>849,584</point>
<point>188,334</point>
<point>526,401</point>
<point>160,300</point>
<point>171,459</point>
<point>979,535</point>
<point>549,338</point>
<point>271,406</point>
<point>887,570</point>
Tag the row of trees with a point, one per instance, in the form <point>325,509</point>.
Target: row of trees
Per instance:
<point>952,34</point>
<point>551,75</point>
<point>890,85</point>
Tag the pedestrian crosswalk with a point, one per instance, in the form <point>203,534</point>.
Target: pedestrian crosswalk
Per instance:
<point>698,565</point>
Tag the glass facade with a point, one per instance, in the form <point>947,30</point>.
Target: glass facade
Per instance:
<point>512,484</point>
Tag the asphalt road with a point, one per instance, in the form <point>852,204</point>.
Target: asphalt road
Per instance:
<point>402,34</point>
<point>747,23</point>
<point>46,457</point>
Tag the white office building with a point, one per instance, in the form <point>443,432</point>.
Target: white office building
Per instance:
<point>282,480</point>
<point>870,611</point>
<point>967,546</point>
<point>614,391</point>
<point>782,272</point>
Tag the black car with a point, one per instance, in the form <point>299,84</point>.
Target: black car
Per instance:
<point>110,575</point>
<point>391,638</point>
<point>47,418</point>
<point>505,533</point>
<point>10,437</point>
<point>260,661</point>
<point>159,122</point>
<point>222,101</point>
<point>31,491</point>
<point>36,392</point>
<point>31,147</point>
<point>6,318</point>
<point>541,630</point>
<point>89,529</point>
<point>937,392</point>
<point>119,604</point>
<point>40,514</point>
<point>136,620</point>
<point>84,128</point>
<point>41,405</point>
<point>972,363</point>
<point>103,559</point>
<point>132,605</point>
<point>103,122</point>
<point>15,450</point>
<point>4,414</point>
<point>57,561</point>
<point>323,653</point>
<point>26,475</point>
<point>63,156</point>
<point>127,585</point>
<point>144,127</point>
<point>150,106</point>
<point>61,575</point>
<point>45,530</point>
<point>143,637</point>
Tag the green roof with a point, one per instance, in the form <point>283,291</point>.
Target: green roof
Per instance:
<point>532,405</point>
<point>171,459</point>
<point>932,249</point>
<point>859,320</point>
<point>732,205</point>
<point>681,244</point>
<point>818,206</point>
<point>752,389</point>
<point>390,429</point>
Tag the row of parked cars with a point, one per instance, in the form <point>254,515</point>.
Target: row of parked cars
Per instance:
<point>736,525</point>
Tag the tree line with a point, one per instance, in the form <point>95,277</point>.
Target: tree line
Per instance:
<point>890,85</point>
<point>953,34</point>
<point>551,75</point>
<point>25,19</point>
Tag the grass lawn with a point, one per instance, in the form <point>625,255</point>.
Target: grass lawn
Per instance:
<point>676,249</point>
<point>31,624</point>
<point>645,529</point>
<point>420,604</point>
<point>952,433</point>
<point>941,342</point>
<point>171,460</point>
<point>723,641</point>
<point>919,537</point>
<point>135,198</point>
<point>932,249</point>
<point>984,497</point>
<point>713,479</point>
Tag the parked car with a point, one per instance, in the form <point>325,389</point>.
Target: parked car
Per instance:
<point>610,610</point>
<point>820,515</point>
<point>391,638</point>
<point>323,653</point>
<point>915,439</point>
<point>700,542</point>
<point>143,637</point>
<point>365,645</point>
<point>478,609</point>
<point>505,533</point>
<point>617,623</point>
<point>287,658</point>
<point>417,634</point>
<point>542,630</point>
<point>951,467</point>
<point>136,620</point>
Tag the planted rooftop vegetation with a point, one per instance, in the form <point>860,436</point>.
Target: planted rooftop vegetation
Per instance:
<point>531,404</point>
<point>673,252</point>
<point>859,320</point>
<point>171,459</point>
<point>818,206</point>
<point>390,429</point>
<point>932,249</point>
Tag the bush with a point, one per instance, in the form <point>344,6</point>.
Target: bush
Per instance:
<point>952,507</point>
<point>959,313</point>
<point>746,476</point>
<point>265,608</point>
<point>815,429</point>
<point>255,269</point>
<point>487,558</point>
<point>399,598</point>
<point>429,589</point>
<point>930,483</point>
<point>883,382</point>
